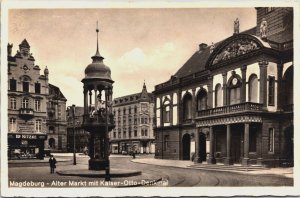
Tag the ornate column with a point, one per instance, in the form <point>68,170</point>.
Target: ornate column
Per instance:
<point>96,99</point>
<point>224,87</point>
<point>228,160</point>
<point>211,159</point>
<point>280,92</point>
<point>263,77</point>
<point>197,157</point>
<point>90,105</point>
<point>243,90</point>
<point>85,100</point>
<point>245,161</point>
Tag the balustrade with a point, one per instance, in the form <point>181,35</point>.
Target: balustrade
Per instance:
<point>241,107</point>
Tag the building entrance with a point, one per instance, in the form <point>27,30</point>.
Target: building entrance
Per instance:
<point>202,147</point>
<point>186,147</point>
<point>236,145</point>
<point>289,145</point>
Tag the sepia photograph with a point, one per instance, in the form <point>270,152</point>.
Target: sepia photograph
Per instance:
<point>161,99</point>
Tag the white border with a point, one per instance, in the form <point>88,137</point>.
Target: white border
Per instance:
<point>153,191</point>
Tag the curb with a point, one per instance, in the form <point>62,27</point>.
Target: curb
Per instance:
<point>101,175</point>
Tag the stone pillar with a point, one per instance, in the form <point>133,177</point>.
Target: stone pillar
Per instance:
<point>280,91</point>
<point>243,90</point>
<point>90,104</point>
<point>228,160</point>
<point>96,99</point>
<point>245,161</point>
<point>85,100</point>
<point>197,157</point>
<point>263,77</point>
<point>224,74</point>
<point>211,159</point>
<point>210,92</point>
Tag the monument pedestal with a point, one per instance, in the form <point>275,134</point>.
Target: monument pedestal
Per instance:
<point>98,164</point>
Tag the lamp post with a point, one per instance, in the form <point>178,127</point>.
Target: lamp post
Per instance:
<point>74,147</point>
<point>72,114</point>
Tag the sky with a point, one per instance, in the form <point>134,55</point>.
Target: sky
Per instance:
<point>138,44</point>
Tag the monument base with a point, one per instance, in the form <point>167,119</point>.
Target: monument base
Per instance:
<point>98,164</point>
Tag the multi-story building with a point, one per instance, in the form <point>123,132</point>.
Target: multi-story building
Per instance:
<point>134,119</point>
<point>56,120</point>
<point>232,102</point>
<point>29,93</point>
<point>81,136</point>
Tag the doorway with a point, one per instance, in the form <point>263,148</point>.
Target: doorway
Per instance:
<point>202,147</point>
<point>289,145</point>
<point>186,147</point>
<point>236,146</point>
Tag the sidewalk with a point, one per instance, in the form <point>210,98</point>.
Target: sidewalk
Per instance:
<point>286,172</point>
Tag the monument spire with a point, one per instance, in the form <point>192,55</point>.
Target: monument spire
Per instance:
<point>97,56</point>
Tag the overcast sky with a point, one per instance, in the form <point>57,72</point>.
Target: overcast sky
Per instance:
<point>137,44</point>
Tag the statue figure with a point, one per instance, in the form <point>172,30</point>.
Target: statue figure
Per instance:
<point>9,49</point>
<point>226,54</point>
<point>236,26</point>
<point>212,47</point>
<point>263,28</point>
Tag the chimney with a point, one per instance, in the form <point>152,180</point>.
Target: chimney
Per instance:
<point>202,46</point>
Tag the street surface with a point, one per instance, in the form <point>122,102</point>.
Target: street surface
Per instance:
<point>38,175</point>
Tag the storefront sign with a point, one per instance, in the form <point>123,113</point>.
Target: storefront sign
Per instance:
<point>27,136</point>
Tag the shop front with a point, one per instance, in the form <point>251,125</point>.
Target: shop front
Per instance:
<point>26,146</point>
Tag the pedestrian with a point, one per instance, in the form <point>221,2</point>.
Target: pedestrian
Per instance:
<point>52,162</point>
<point>133,154</point>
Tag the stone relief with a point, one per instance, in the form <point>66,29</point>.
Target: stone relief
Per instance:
<point>236,48</point>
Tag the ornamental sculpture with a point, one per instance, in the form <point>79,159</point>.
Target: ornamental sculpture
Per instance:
<point>263,29</point>
<point>236,26</point>
<point>236,48</point>
<point>212,47</point>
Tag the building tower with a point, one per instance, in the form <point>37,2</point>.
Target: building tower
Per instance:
<point>98,118</point>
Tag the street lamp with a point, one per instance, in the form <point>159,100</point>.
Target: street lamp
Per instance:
<point>72,114</point>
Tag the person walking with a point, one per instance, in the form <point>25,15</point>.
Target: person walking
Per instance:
<point>52,162</point>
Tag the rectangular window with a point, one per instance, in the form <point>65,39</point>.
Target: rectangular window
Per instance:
<point>115,135</point>
<point>271,90</point>
<point>37,105</point>
<point>38,125</point>
<point>135,133</point>
<point>119,134</point>
<point>13,85</point>
<point>142,132</point>
<point>124,134</point>
<point>13,124</point>
<point>166,114</point>
<point>13,103</point>
<point>146,132</point>
<point>166,139</point>
<point>37,88</point>
<point>25,103</point>
<point>25,86</point>
<point>271,140</point>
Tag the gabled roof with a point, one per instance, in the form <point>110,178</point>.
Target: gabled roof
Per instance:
<point>24,44</point>
<point>56,93</point>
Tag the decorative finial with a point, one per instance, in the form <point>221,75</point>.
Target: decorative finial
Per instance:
<point>97,52</point>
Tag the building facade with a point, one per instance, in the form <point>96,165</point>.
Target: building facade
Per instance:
<point>134,120</point>
<point>81,136</point>
<point>232,102</point>
<point>28,98</point>
<point>56,120</point>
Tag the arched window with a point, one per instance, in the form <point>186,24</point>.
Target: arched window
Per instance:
<point>202,100</point>
<point>288,87</point>
<point>166,111</point>
<point>187,107</point>
<point>234,91</point>
<point>253,88</point>
<point>218,95</point>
